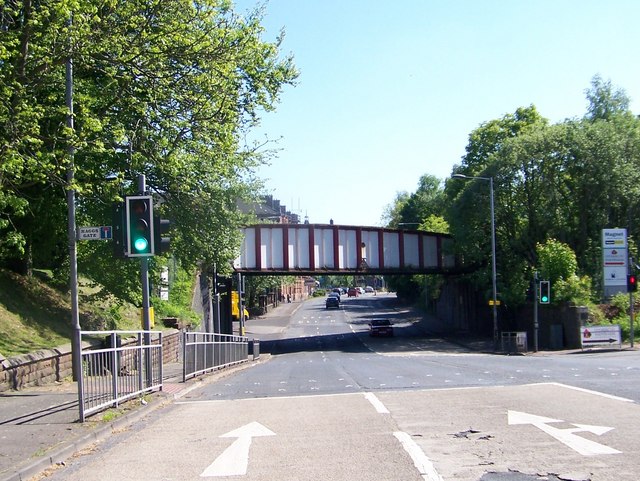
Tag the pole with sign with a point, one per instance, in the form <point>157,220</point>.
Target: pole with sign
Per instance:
<point>614,261</point>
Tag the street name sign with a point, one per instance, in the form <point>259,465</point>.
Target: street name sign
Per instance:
<point>102,232</point>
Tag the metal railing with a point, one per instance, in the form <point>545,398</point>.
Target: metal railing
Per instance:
<point>204,352</point>
<point>128,365</point>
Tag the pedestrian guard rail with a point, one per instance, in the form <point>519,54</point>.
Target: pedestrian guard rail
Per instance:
<point>204,352</point>
<point>127,365</point>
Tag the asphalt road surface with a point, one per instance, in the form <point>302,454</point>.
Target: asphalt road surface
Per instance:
<point>331,403</point>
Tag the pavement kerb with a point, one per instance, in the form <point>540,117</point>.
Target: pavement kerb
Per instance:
<point>159,399</point>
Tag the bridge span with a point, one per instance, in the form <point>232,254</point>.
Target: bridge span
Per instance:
<point>315,249</point>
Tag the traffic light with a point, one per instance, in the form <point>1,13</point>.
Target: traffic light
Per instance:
<point>160,227</point>
<point>632,283</point>
<point>119,231</point>
<point>545,292</point>
<point>140,226</point>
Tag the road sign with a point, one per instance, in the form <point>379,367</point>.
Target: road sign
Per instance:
<point>614,257</point>
<point>102,232</point>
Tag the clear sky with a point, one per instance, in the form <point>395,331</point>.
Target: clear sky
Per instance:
<point>390,90</point>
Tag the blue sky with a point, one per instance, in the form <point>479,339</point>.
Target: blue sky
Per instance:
<point>390,91</point>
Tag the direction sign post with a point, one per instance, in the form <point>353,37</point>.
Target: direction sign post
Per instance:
<point>615,258</point>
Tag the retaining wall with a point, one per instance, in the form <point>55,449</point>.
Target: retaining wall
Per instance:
<point>48,366</point>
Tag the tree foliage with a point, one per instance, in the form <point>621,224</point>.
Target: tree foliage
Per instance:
<point>163,88</point>
<point>565,181</point>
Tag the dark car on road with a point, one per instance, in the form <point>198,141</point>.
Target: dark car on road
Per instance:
<point>332,301</point>
<point>381,327</point>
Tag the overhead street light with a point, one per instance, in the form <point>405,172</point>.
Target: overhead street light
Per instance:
<point>493,252</point>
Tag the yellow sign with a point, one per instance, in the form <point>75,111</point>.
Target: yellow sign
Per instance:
<point>491,302</point>
<point>151,318</point>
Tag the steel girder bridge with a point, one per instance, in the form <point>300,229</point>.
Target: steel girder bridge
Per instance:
<point>319,249</point>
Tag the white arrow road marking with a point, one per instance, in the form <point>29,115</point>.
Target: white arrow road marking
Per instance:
<point>234,460</point>
<point>566,436</point>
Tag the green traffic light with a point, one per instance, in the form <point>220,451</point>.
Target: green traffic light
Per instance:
<point>140,244</point>
<point>544,299</point>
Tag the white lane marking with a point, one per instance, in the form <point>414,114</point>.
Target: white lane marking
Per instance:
<point>235,459</point>
<point>377,404</point>
<point>589,391</point>
<point>567,436</point>
<point>420,460</point>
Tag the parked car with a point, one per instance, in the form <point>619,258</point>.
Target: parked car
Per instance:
<point>368,289</point>
<point>332,301</point>
<point>381,327</point>
<point>352,292</point>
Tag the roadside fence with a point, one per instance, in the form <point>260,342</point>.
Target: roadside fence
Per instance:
<point>128,364</point>
<point>204,352</point>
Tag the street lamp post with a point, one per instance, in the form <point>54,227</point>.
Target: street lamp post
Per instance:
<point>493,252</point>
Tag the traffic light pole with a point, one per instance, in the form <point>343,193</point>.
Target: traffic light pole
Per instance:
<point>536,324</point>
<point>631,313</point>
<point>144,280</point>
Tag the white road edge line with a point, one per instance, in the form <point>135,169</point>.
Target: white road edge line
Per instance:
<point>377,404</point>
<point>589,391</point>
<point>420,460</point>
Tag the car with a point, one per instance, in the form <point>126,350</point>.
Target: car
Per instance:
<point>380,327</point>
<point>337,290</point>
<point>360,290</point>
<point>368,289</point>
<point>352,292</point>
<point>332,301</point>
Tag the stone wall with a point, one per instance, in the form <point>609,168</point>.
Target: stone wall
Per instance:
<point>49,366</point>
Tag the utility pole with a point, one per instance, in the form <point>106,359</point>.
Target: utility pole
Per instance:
<point>536,324</point>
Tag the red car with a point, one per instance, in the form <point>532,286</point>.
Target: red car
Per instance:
<point>381,327</point>
<point>352,292</point>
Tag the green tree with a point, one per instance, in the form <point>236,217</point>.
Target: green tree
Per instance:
<point>167,89</point>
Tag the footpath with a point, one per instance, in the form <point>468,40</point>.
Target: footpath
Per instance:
<point>39,426</point>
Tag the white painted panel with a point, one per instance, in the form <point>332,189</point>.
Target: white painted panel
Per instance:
<point>248,250</point>
<point>317,249</point>
<point>430,248</point>
<point>291,247</point>
<point>277,239</point>
<point>351,257</point>
<point>342,248</point>
<point>372,252</point>
<point>391,250</point>
<point>265,248</point>
<point>326,240</point>
<point>411,254</point>
<point>302,249</point>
